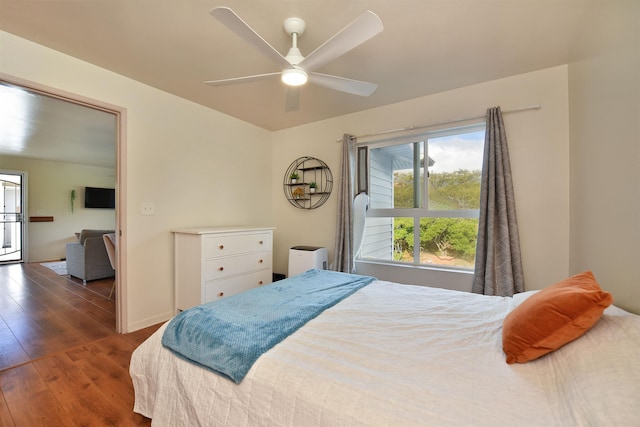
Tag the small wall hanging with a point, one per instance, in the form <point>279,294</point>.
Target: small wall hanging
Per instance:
<point>307,183</point>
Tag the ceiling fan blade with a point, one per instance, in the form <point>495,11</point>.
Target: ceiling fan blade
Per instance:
<point>293,99</point>
<point>362,29</point>
<point>246,79</point>
<point>355,87</point>
<point>232,21</point>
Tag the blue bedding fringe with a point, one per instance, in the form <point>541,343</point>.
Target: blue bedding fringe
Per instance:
<point>229,335</point>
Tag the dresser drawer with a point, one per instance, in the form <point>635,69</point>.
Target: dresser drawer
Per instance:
<point>215,246</point>
<point>218,268</point>
<point>234,285</point>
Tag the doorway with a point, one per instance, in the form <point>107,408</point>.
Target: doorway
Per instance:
<point>11,216</point>
<point>118,114</point>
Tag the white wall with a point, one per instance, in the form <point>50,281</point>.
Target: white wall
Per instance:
<point>539,149</point>
<point>604,90</point>
<point>197,166</point>
<point>49,186</point>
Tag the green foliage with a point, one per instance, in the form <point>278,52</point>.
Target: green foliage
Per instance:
<point>403,235</point>
<point>447,190</point>
<point>460,189</point>
<point>454,237</point>
<point>403,190</point>
<point>449,236</point>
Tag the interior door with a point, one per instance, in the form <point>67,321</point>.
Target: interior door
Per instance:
<point>11,217</point>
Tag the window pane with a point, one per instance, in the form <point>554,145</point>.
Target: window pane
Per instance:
<point>377,242</point>
<point>397,176</point>
<point>455,171</point>
<point>388,239</point>
<point>448,241</point>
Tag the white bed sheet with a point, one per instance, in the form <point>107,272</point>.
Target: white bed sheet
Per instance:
<point>401,355</point>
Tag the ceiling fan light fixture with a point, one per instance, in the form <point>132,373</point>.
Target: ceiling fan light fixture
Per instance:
<point>294,76</point>
<point>295,69</point>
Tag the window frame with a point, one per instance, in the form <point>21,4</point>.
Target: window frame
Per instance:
<point>418,212</point>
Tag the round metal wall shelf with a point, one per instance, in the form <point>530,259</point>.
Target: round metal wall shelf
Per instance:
<point>300,192</point>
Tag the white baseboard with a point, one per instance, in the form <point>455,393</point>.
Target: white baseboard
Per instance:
<point>150,321</point>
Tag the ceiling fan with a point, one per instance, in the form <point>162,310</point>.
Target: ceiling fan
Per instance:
<point>296,69</point>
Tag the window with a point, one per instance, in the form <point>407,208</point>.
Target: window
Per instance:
<point>424,198</point>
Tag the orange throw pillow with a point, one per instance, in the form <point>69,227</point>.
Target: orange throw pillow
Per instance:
<point>553,317</point>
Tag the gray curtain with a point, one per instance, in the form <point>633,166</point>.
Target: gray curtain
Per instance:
<point>498,268</point>
<point>343,251</point>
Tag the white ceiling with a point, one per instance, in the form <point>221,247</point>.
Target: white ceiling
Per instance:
<point>427,46</point>
<point>38,126</point>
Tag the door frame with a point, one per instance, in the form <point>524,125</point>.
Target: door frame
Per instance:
<point>121,180</point>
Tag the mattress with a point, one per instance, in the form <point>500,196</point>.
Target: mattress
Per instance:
<point>402,355</point>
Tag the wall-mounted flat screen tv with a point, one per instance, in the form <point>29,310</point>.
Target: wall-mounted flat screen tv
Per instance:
<point>99,198</point>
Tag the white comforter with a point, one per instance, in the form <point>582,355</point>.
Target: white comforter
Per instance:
<point>400,355</point>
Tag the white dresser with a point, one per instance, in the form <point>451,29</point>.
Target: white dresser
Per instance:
<point>216,262</point>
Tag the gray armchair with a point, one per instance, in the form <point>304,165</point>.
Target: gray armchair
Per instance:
<point>88,259</point>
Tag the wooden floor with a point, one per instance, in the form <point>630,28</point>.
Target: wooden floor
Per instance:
<point>61,361</point>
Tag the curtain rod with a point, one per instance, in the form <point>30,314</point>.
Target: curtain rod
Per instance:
<point>412,128</point>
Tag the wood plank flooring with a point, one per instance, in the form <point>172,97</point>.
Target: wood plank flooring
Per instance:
<point>61,361</point>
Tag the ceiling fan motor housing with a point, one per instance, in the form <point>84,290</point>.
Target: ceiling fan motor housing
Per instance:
<point>294,56</point>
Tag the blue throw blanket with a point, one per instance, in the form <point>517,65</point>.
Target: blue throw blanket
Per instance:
<point>229,335</point>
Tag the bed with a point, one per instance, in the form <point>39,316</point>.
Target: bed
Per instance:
<point>391,354</point>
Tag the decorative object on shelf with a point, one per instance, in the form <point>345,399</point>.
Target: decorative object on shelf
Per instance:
<point>298,193</point>
<point>311,173</point>
<point>73,199</point>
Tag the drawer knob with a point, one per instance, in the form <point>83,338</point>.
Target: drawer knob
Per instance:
<point>261,242</point>
<point>260,282</point>
<point>220,268</point>
<point>260,261</point>
<point>221,294</point>
<point>221,246</point>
